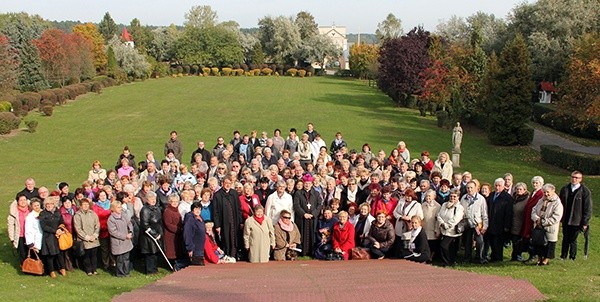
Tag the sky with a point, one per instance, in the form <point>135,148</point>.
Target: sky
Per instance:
<point>356,15</point>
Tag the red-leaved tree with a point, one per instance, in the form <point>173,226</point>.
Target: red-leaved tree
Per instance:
<point>401,61</point>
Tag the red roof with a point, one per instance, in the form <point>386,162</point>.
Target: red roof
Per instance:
<point>125,35</point>
<point>547,86</point>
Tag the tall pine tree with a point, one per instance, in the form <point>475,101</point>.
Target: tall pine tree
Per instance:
<point>508,107</point>
<point>21,29</point>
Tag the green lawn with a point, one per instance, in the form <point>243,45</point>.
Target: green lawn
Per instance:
<point>142,114</point>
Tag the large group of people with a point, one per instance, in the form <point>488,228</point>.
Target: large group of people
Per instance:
<point>261,198</point>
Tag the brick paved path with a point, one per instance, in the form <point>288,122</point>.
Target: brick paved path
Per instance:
<point>371,280</point>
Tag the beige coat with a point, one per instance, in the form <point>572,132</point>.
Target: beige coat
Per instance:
<point>551,218</point>
<point>281,241</point>
<point>14,225</point>
<point>87,224</point>
<point>258,239</point>
<point>430,224</point>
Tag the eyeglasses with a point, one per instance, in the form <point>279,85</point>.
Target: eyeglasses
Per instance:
<point>286,217</point>
<point>221,168</point>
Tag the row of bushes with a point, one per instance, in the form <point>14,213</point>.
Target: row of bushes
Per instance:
<point>546,115</point>
<point>24,102</point>
<point>264,70</point>
<point>571,160</point>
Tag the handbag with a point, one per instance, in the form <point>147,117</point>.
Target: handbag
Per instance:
<point>359,253</point>
<point>32,266</point>
<point>333,256</point>
<point>538,237</point>
<point>65,241</point>
<point>459,228</point>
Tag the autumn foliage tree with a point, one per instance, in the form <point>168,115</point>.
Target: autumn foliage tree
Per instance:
<point>362,57</point>
<point>581,88</point>
<point>91,33</point>
<point>66,58</point>
<point>401,62</point>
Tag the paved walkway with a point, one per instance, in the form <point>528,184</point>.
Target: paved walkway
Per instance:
<point>313,280</point>
<point>545,138</point>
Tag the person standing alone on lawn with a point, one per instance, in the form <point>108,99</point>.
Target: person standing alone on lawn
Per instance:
<point>577,203</point>
<point>174,144</point>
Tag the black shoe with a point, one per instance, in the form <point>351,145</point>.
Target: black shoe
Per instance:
<point>201,261</point>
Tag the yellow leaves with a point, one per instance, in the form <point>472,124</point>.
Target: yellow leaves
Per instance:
<point>91,33</point>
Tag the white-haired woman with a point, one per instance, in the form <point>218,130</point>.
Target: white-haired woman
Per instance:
<point>547,214</point>
<point>450,214</point>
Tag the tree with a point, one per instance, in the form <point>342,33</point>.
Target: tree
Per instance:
<point>390,28</point>
<point>91,34</point>
<point>141,35</point>
<point>200,16</point>
<point>162,45</point>
<point>280,38</point>
<point>317,49</point>
<point>55,52</point>
<point>211,46</point>
<point>440,80</point>
<point>65,57</point>
<point>83,65</point>
<point>581,100</point>
<point>256,56</point>
<point>509,106</point>
<point>401,60</point>
<point>551,27</point>
<point>455,30</point>
<point>362,56</point>
<point>306,25</point>
<point>251,48</point>
<point>9,66</point>
<point>21,29</point>
<point>130,61</point>
<point>107,27</point>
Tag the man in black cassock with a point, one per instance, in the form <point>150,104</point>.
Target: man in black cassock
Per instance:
<point>306,210</point>
<point>228,218</point>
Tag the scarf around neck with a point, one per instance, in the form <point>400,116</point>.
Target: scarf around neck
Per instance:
<point>285,227</point>
<point>104,204</point>
<point>259,220</point>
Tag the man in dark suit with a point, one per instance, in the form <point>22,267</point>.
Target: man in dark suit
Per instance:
<point>500,211</point>
<point>205,153</point>
<point>577,202</point>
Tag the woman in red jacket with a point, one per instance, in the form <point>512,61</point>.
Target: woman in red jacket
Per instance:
<point>343,235</point>
<point>536,195</point>
<point>102,209</point>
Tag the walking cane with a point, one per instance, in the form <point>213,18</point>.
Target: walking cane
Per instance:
<point>160,249</point>
<point>586,246</point>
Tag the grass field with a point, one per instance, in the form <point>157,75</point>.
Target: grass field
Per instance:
<point>142,114</point>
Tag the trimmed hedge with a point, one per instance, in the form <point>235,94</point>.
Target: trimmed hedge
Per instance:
<point>30,99</point>
<point>47,110</point>
<point>8,122</point>
<point>571,160</point>
<point>546,115</point>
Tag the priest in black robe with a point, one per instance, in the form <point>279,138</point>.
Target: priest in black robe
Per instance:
<point>306,211</point>
<point>228,218</point>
